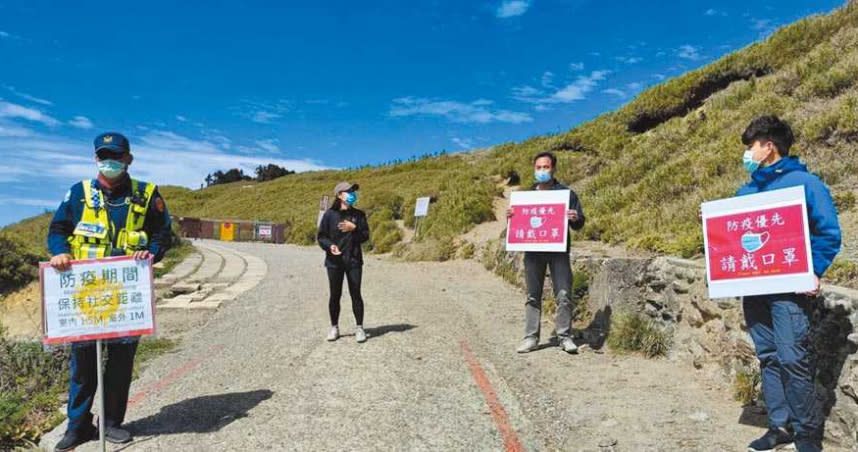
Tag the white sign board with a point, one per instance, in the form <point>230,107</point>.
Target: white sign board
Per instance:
<point>421,208</point>
<point>323,206</point>
<point>539,221</point>
<point>97,299</point>
<point>264,231</point>
<point>758,244</point>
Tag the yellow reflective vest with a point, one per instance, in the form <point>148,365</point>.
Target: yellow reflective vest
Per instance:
<point>94,234</point>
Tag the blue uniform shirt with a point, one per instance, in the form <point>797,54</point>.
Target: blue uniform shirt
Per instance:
<point>156,225</point>
<point>821,212</point>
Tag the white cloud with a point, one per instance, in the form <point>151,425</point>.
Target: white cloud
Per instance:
<point>765,27</point>
<point>576,66</point>
<point>477,111</point>
<point>576,90</point>
<point>629,60</point>
<point>28,97</point>
<point>47,203</point>
<point>659,76</point>
<point>715,12</point>
<point>81,122</point>
<point>634,86</point>
<point>264,117</point>
<point>547,78</point>
<point>10,110</point>
<point>4,34</point>
<point>269,145</point>
<point>263,112</point>
<point>464,143</point>
<point>512,8</point>
<point>181,118</point>
<point>689,52</point>
<point>616,92</point>
<point>761,24</point>
<point>11,130</point>
<point>155,156</point>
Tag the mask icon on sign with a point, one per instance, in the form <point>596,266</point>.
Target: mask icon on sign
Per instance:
<point>754,242</point>
<point>535,222</point>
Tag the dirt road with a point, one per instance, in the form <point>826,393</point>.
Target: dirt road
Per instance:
<point>439,372</point>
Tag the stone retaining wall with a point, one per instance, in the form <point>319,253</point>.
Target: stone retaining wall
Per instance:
<point>711,334</point>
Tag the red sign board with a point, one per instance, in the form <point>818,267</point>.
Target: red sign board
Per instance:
<point>764,242</point>
<point>538,222</point>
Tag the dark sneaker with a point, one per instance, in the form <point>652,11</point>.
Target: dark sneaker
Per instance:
<point>75,438</point>
<point>774,439</point>
<point>117,435</point>
<point>808,445</point>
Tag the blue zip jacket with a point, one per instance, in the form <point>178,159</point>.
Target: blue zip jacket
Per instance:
<point>821,212</point>
<point>156,225</point>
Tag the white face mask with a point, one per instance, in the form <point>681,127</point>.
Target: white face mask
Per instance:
<point>111,169</point>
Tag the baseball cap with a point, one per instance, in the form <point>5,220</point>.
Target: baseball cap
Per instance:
<point>345,186</point>
<point>112,142</point>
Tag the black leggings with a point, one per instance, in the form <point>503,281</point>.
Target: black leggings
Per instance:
<point>335,280</point>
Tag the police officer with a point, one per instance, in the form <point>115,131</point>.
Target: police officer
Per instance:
<point>111,215</point>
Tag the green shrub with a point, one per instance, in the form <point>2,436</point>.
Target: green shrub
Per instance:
<point>467,250</point>
<point>745,386</point>
<point>845,201</point>
<point>18,266</point>
<point>843,272</point>
<point>634,333</point>
<point>31,381</point>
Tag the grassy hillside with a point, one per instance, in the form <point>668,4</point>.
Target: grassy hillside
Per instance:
<point>641,171</point>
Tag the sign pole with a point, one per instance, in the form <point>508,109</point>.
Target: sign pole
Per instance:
<point>99,357</point>
<point>417,227</point>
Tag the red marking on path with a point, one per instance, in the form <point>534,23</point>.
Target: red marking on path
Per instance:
<point>511,442</point>
<point>169,379</point>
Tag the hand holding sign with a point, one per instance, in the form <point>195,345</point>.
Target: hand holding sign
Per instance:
<point>572,215</point>
<point>816,284</point>
<point>61,262</point>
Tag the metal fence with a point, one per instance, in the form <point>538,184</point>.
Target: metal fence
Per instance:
<point>231,230</point>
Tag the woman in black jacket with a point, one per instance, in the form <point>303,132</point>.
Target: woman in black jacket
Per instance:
<point>342,231</point>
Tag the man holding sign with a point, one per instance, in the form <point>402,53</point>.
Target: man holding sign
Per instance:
<point>539,234</point>
<point>111,215</point>
<point>769,247</point>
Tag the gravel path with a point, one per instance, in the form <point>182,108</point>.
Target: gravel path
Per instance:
<point>439,372</point>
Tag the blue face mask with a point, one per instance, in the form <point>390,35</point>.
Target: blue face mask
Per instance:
<point>351,198</point>
<point>111,169</point>
<point>542,177</point>
<point>748,161</point>
<point>754,242</point>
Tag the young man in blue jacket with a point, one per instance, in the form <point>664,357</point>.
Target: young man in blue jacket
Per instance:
<point>779,324</point>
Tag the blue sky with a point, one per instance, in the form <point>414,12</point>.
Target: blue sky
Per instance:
<point>211,85</point>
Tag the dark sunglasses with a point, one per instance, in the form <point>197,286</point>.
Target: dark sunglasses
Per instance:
<point>104,154</point>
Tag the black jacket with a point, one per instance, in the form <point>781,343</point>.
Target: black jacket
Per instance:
<point>348,242</point>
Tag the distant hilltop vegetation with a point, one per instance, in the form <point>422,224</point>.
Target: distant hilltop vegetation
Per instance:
<point>640,171</point>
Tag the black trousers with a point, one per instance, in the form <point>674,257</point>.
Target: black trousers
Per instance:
<point>335,280</point>
<point>84,381</point>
